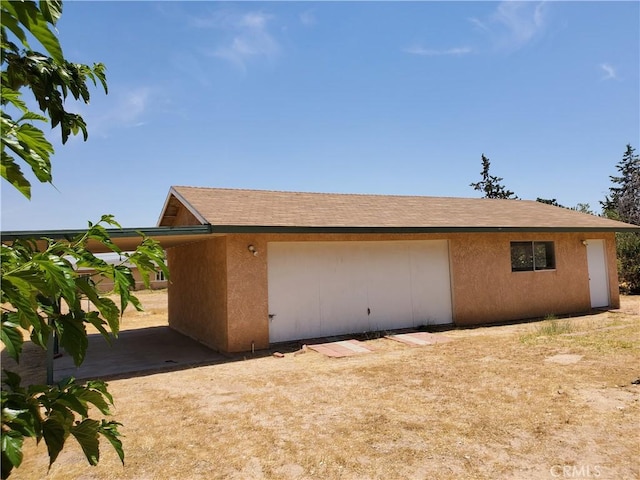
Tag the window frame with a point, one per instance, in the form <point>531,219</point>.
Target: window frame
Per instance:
<point>549,253</point>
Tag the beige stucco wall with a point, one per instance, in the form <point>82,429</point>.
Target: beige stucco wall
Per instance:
<point>247,293</point>
<point>197,291</point>
<point>486,290</point>
<point>218,277</point>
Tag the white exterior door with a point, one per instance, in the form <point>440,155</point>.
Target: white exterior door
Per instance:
<point>598,278</point>
<point>319,289</point>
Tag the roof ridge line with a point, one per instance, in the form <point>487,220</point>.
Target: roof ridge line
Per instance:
<point>229,189</point>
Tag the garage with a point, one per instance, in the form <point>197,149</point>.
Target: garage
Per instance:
<point>318,289</point>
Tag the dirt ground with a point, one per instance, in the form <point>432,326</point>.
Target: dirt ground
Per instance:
<point>539,400</point>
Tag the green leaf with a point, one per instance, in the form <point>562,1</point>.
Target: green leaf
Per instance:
<point>11,451</point>
<point>86,433</point>
<point>39,29</point>
<point>11,172</point>
<point>20,295</point>
<point>123,282</point>
<point>12,339</point>
<point>136,303</point>
<point>12,380</point>
<point>72,401</point>
<point>110,431</point>
<point>105,306</point>
<point>40,334</point>
<point>11,23</point>
<point>54,435</point>
<point>29,279</point>
<point>22,421</point>
<point>109,220</point>
<point>110,312</point>
<point>98,323</point>
<point>36,149</point>
<point>32,116</point>
<point>13,97</point>
<point>59,275</point>
<point>99,72</point>
<point>73,337</point>
<point>99,233</point>
<point>51,10</point>
<point>101,387</point>
<point>149,257</point>
<point>94,397</point>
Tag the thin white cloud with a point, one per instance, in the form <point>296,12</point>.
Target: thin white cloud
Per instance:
<point>132,105</point>
<point>129,109</point>
<point>514,24</point>
<point>479,23</point>
<point>307,18</point>
<point>191,65</point>
<point>248,36</point>
<point>609,72</point>
<point>428,52</point>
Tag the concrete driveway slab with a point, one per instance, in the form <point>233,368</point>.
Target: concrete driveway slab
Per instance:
<point>136,351</point>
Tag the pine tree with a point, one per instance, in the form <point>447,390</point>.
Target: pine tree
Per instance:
<point>623,201</point>
<point>490,184</point>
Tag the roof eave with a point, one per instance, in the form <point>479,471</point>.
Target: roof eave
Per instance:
<point>196,230</point>
<point>113,232</point>
<point>440,229</point>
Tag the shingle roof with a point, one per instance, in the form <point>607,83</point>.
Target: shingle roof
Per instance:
<point>260,208</point>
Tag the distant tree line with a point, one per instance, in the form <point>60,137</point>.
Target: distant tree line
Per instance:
<point>622,203</point>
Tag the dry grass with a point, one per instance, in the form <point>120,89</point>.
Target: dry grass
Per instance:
<point>491,404</point>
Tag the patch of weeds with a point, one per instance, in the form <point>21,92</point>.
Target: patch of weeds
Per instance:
<point>616,318</point>
<point>552,326</point>
<point>607,341</point>
<point>371,335</point>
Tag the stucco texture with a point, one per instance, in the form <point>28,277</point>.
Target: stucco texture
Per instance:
<point>197,291</point>
<point>219,289</point>
<point>485,289</point>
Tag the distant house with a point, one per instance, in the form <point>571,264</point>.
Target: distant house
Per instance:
<point>156,282</point>
<point>280,266</point>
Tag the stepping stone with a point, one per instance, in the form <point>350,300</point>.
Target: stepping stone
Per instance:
<point>417,339</point>
<point>344,348</point>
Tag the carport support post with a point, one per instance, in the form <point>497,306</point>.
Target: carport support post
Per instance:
<point>52,344</point>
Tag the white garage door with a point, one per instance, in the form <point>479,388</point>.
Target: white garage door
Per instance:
<point>318,289</point>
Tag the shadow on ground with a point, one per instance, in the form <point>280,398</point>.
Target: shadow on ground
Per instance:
<point>134,353</point>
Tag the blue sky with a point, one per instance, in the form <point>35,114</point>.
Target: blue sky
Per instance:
<point>388,98</point>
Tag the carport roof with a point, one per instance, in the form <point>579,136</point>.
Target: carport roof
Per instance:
<point>125,238</point>
<point>234,210</point>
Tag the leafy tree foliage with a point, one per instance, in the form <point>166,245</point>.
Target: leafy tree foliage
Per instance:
<point>549,201</point>
<point>490,184</point>
<point>623,203</point>
<point>623,200</point>
<point>41,291</point>
<point>580,207</point>
<point>628,250</point>
<point>583,208</point>
<point>50,78</point>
